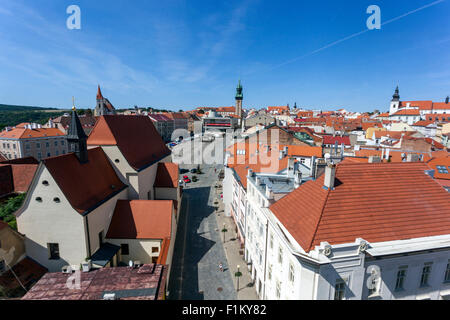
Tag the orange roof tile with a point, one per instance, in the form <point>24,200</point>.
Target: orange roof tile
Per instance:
<point>167,175</point>
<point>442,162</point>
<point>135,136</point>
<point>407,112</point>
<point>404,203</point>
<point>22,133</point>
<point>85,185</point>
<point>141,219</point>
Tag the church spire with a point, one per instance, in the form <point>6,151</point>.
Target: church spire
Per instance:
<point>99,93</point>
<point>396,96</point>
<point>76,137</point>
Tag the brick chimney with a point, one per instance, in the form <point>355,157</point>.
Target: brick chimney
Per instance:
<point>330,174</point>
<point>412,157</point>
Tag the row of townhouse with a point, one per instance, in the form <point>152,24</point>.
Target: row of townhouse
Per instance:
<point>114,199</point>
<point>359,231</point>
<point>31,140</point>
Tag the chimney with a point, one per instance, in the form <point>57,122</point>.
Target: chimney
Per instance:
<point>269,193</point>
<point>387,153</point>
<point>330,173</point>
<point>412,157</point>
<point>297,179</point>
<point>291,167</point>
<point>374,159</point>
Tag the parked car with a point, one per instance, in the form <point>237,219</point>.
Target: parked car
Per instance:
<point>193,170</point>
<point>185,177</point>
<point>187,180</point>
<point>184,171</point>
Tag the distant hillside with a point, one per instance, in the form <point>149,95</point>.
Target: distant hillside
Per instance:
<point>12,115</point>
<point>8,107</point>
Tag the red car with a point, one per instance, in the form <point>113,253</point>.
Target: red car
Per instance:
<point>186,180</point>
<point>185,177</point>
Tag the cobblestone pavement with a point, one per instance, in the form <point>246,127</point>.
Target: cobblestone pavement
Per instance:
<point>198,247</point>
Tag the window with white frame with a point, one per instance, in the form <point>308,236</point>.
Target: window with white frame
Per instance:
<point>426,272</point>
<point>375,282</point>
<point>401,276</point>
<point>280,255</point>
<point>339,289</point>
<point>278,289</point>
<point>291,272</point>
<point>271,241</point>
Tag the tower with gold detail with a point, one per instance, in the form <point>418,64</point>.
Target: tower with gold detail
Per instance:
<point>239,97</point>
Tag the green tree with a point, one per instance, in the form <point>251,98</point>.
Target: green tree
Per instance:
<point>8,208</point>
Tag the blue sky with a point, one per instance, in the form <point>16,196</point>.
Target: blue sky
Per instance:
<point>183,54</point>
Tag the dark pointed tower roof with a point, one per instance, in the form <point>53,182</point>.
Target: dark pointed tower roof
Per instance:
<point>77,138</point>
<point>396,96</point>
<point>75,130</point>
<point>239,95</point>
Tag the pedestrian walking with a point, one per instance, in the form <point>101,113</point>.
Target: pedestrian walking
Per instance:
<point>221,267</point>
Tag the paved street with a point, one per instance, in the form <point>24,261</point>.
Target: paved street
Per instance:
<point>198,248</point>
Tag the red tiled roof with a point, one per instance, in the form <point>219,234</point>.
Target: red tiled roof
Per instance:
<point>404,203</point>
<point>93,284</point>
<point>332,140</point>
<point>423,105</point>
<point>84,185</point>
<point>423,123</point>
<point>22,175</point>
<point>441,106</point>
<point>407,112</point>
<point>141,219</point>
<point>27,270</point>
<point>167,175</point>
<point>441,161</point>
<point>136,137</point>
<point>22,133</point>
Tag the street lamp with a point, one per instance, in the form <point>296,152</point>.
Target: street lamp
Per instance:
<point>224,230</point>
<point>238,274</point>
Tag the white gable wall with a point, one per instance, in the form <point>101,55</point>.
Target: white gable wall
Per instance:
<point>47,222</point>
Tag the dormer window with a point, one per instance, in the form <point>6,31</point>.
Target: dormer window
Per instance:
<point>45,183</point>
<point>39,199</point>
<point>57,200</point>
<point>117,161</point>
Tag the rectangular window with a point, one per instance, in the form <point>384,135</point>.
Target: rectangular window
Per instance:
<point>62,142</point>
<point>56,143</point>
<point>38,145</point>
<point>291,273</point>
<point>280,256</point>
<point>47,144</point>
<point>339,290</point>
<point>2,266</point>
<point>53,249</point>
<point>271,241</point>
<point>39,156</point>
<point>447,272</point>
<point>426,271</point>
<point>14,146</point>
<point>155,249</point>
<point>100,238</point>
<point>125,249</point>
<point>401,275</point>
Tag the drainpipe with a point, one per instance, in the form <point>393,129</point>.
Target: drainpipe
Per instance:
<point>265,261</point>
<point>88,237</point>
